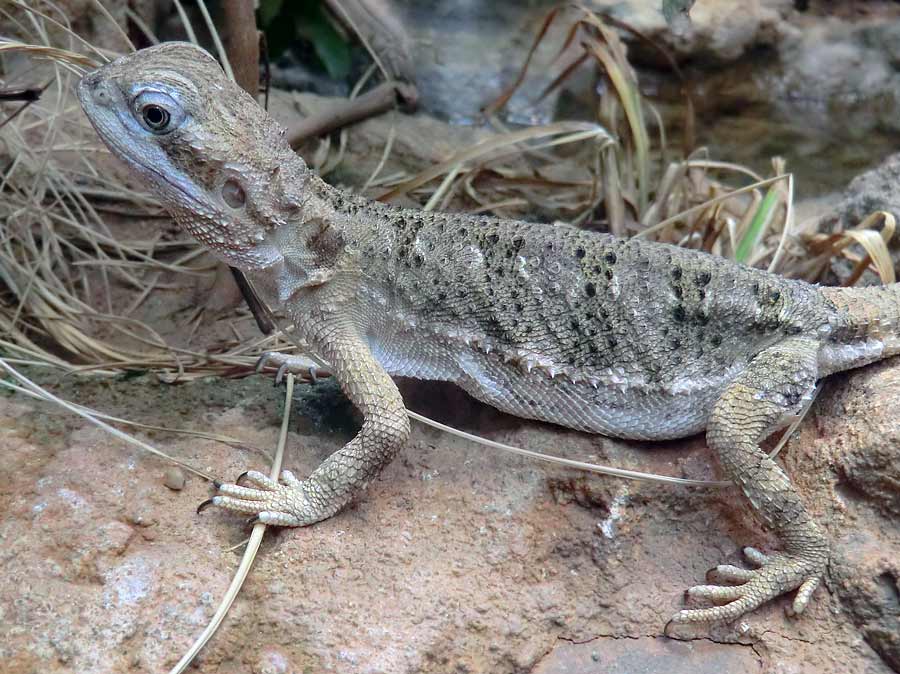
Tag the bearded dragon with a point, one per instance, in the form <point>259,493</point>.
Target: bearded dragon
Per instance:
<point>626,338</point>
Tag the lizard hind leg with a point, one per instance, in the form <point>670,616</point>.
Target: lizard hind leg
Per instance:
<point>774,385</point>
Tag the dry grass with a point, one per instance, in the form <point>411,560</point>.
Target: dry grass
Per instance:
<point>67,276</point>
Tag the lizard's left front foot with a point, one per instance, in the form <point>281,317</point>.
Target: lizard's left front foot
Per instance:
<point>300,366</point>
<point>778,573</point>
<point>288,503</point>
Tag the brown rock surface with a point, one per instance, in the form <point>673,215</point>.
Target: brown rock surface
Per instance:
<point>459,559</point>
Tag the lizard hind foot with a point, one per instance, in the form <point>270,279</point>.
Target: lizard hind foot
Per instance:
<point>285,503</point>
<point>742,590</point>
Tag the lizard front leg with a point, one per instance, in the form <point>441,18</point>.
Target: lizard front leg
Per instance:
<point>773,386</point>
<point>345,473</point>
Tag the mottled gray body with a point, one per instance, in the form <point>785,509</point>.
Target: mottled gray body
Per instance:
<point>621,337</point>
<point>629,338</point>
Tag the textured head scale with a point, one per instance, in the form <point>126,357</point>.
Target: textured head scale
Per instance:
<point>219,163</point>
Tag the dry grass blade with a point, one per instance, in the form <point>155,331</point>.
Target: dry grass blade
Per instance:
<point>611,54</point>
<point>873,242</point>
<point>604,47</point>
<point>503,98</point>
<point>490,150</point>
<point>49,53</point>
<point>249,552</point>
<point>570,463</point>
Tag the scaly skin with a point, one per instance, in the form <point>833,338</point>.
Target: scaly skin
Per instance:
<point>627,338</point>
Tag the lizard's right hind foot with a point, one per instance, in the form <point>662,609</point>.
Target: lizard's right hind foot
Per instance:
<point>301,367</point>
<point>743,590</point>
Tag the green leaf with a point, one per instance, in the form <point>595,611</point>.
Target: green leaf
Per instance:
<point>758,224</point>
<point>268,10</point>
<point>330,47</point>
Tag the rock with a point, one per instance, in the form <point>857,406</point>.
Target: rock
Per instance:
<point>720,31</point>
<point>875,190</point>
<point>836,74</point>
<point>867,459</point>
<point>648,654</point>
<point>867,580</point>
<point>458,558</point>
<point>850,451</point>
<point>174,478</point>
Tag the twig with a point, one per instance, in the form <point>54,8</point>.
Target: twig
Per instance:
<point>250,551</point>
<point>374,102</point>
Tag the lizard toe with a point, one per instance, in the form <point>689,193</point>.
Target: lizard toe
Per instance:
<point>727,573</point>
<point>302,368</point>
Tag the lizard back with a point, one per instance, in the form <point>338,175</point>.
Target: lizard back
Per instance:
<point>623,337</point>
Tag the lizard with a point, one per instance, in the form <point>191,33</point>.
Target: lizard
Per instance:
<point>627,338</point>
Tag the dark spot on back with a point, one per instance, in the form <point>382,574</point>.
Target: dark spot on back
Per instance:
<point>610,257</point>
<point>590,290</point>
<point>579,252</point>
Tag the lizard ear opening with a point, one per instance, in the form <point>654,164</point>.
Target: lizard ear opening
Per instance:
<point>233,194</point>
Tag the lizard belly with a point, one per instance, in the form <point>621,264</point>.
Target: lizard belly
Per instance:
<point>618,410</point>
<point>622,411</point>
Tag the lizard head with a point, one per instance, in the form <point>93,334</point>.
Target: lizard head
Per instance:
<point>217,161</point>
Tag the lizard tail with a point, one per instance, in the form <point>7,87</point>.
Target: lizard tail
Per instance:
<point>868,314</point>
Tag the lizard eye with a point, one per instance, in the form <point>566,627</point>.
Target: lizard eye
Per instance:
<point>155,117</point>
<point>157,112</point>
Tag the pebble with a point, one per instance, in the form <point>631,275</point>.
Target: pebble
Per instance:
<point>174,478</point>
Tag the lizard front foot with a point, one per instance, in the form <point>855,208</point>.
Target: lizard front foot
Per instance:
<point>302,368</point>
<point>751,588</point>
<point>289,503</point>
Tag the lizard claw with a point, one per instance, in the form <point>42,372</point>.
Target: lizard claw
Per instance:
<point>747,589</point>
<point>203,506</point>
<point>280,373</point>
<point>282,503</point>
<point>302,368</point>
